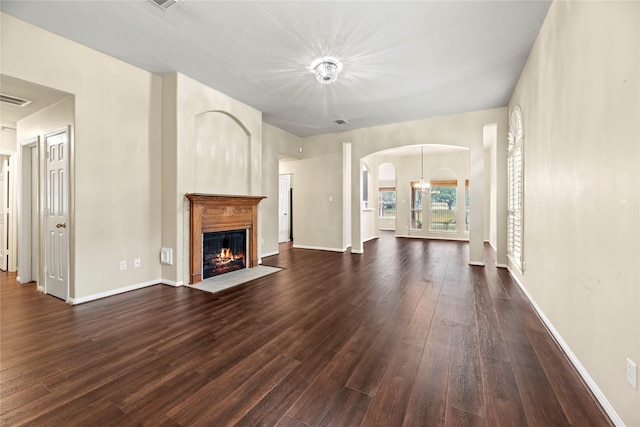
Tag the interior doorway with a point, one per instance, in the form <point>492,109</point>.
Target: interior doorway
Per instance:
<point>284,209</point>
<point>29,257</point>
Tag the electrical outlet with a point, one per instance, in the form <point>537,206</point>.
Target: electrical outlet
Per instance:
<point>136,262</point>
<point>123,265</point>
<point>632,373</point>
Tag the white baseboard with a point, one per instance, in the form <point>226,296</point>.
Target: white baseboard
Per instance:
<point>74,301</point>
<point>357,251</point>
<point>270,254</point>
<point>477,263</point>
<point>502,265</point>
<point>171,282</point>
<point>615,418</point>
<point>386,229</point>
<point>319,248</point>
<point>431,237</point>
<point>370,238</point>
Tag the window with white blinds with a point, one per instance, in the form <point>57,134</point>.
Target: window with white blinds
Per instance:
<point>515,187</point>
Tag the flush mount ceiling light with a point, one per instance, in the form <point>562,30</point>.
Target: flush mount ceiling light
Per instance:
<point>326,70</point>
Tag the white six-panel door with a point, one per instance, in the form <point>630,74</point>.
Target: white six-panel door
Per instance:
<point>56,212</point>
<point>283,201</point>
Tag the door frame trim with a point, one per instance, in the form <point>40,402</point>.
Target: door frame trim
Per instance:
<point>24,211</point>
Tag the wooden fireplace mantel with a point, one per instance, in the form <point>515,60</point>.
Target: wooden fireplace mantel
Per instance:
<point>217,212</point>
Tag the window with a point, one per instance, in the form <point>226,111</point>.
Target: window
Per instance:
<point>515,188</point>
<point>443,205</point>
<point>387,202</point>
<point>416,207</point>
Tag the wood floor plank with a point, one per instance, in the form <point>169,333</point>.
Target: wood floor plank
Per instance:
<point>501,395</point>
<point>405,334</point>
<point>320,396</point>
<point>349,408</point>
<point>577,403</point>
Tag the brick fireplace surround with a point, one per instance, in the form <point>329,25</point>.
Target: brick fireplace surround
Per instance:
<point>215,212</point>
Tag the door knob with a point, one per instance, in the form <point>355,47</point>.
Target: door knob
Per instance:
<point>63,225</point>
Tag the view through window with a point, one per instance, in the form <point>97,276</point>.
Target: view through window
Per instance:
<point>443,205</point>
<point>387,202</point>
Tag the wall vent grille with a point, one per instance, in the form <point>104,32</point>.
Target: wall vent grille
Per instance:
<point>164,4</point>
<point>14,100</point>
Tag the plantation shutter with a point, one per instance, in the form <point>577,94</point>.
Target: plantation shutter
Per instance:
<point>515,188</point>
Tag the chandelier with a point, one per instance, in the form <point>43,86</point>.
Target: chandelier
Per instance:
<point>423,185</point>
<point>326,70</point>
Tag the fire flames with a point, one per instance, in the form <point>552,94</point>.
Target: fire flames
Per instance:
<point>226,256</point>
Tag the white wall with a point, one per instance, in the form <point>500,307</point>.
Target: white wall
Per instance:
<point>117,153</point>
<point>8,140</point>
<point>491,185</point>
<point>580,99</point>
<point>369,215</point>
<point>318,193</point>
<point>275,143</point>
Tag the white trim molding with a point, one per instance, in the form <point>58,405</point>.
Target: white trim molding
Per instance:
<point>269,254</point>
<point>319,248</point>
<point>171,283</point>
<point>432,237</point>
<point>611,412</point>
<point>477,263</point>
<point>75,301</point>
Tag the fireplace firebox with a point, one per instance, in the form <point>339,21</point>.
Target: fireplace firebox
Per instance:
<point>223,252</point>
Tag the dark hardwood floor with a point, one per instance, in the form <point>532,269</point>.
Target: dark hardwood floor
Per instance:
<point>405,334</point>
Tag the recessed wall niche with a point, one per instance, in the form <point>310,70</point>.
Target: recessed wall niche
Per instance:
<point>222,154</point>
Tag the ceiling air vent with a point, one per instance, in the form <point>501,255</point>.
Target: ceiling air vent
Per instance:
<point>341,121</point>
<point>14,100</point>
<point>164,4</point>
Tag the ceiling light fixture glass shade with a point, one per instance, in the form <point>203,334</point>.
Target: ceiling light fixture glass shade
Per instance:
<point>326,70</point>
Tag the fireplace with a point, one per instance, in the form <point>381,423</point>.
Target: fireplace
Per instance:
<point>210,213</point>
<point>223,252</point>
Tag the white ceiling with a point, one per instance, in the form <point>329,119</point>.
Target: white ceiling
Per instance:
<point>402,60</point>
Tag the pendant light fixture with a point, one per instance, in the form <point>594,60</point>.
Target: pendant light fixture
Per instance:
<point>422,185</point>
